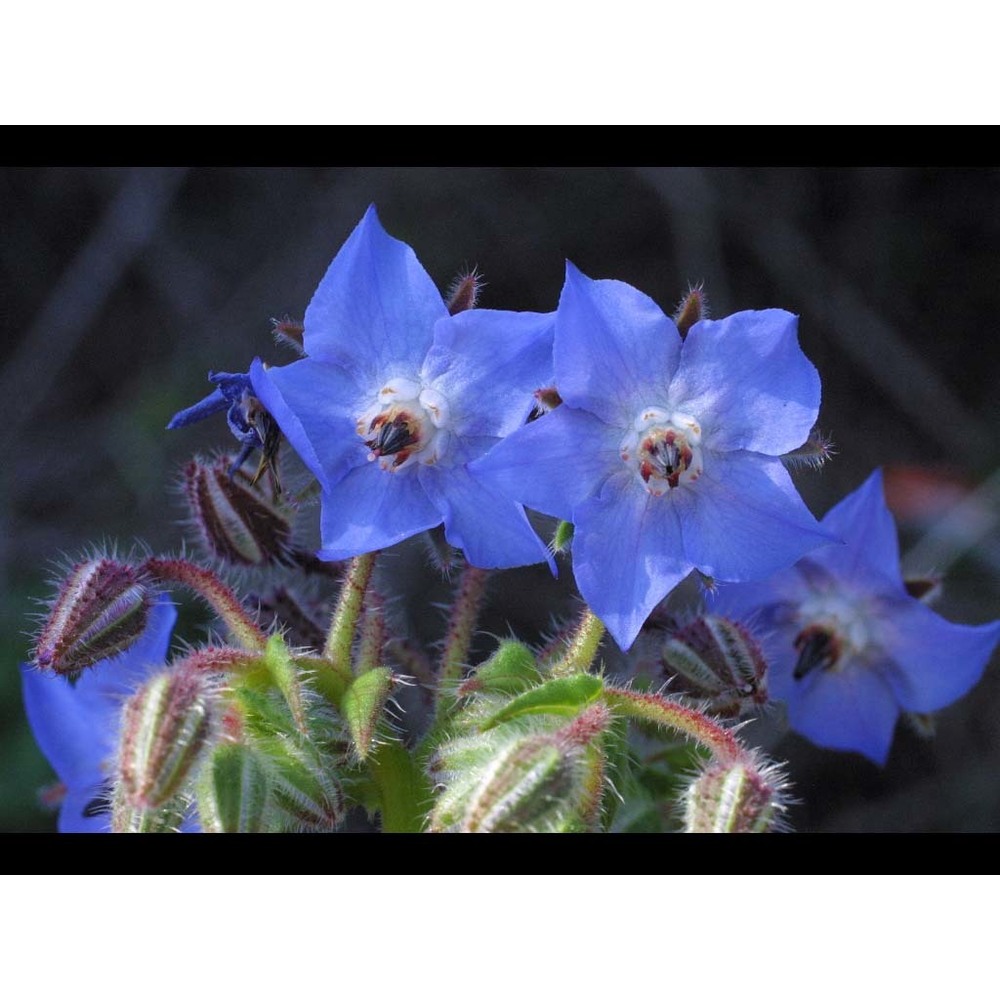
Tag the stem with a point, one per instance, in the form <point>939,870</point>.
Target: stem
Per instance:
<point>345,616</point>
<point>664,712</point>
<point>216,594</point>
<point>371,642</point>
<point>404,791</point>
<point>582,648</point>
<point>458,639</point>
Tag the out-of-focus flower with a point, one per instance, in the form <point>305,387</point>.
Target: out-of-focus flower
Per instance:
<point>76,725</point>
<point>665,452</point>
<point>396,397</point>
<point>849,648</point>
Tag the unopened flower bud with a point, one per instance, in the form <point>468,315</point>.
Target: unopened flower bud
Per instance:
<point>693,307</point>
<point>514,781</point>
<point>102,608</point>
<point>718,660</point>
<point>237,523</point>
<point>164,727</point>
<point>735,797</point>
<point>232,790</point>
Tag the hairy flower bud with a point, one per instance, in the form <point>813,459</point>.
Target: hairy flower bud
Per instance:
<point>521,779</point>
<point>717,659</point>
<point>735,797</point>
<point>232,790</point>
<point>236,522</point>
<point>164,727</point>
<point>102,608</point>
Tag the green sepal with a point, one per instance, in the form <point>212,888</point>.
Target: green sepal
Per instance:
<point>403,789</point>
<point>363,705</point>
<point>511,670</point>
<point>561,696</point>
<point>286,676</point>
<point>563,537</point>
<point>232,790</point>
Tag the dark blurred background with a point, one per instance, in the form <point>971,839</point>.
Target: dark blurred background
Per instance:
<point>123,287</point>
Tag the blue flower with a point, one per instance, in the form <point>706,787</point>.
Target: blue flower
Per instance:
<point>849,648</point>
<point>76,725</point>
<point>396,398</point>
<point>248,421</point>
<point>664,454</point>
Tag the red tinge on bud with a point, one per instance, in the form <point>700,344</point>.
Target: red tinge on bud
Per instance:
<point>718,660</point>
<point>693,307</point>
<point>237,523</point>
<point>464,292</point>
<point>102,608</point>
<point>164,726</point>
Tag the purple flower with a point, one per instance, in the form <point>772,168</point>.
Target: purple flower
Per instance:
<point>76,725</point>
<point>849,648</point>
<point>664,454</point>
<point>397,397</point>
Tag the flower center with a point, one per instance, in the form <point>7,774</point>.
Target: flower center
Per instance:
<point>663,448</point>
<point>407,424</point>
<point>835,630</point>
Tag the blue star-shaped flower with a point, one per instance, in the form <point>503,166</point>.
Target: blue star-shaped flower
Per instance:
<point>849,648</point>
<point>76,725</point>
<point>396,398</point>
<point>664,454</point>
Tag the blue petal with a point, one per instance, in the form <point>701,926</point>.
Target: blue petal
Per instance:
<point>936,660</point>
<point>747,381</point>
<point>77,813</point>
<point>743,520</point>
<point>371,509</point>
<point>375,308</point>
<point>863,520</point>
<point>492,530</point>
<point>212,403</point>
<point>316,406</point>
<point>553,463</point>
<point>76,726</point>
<point>849,709</point>
<point>488,365</point>
<point>615,350</point>
<point>627,554</point>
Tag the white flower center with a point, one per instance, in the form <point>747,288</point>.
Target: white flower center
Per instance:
<point>663,448</point>
<point>408,423</point>
<point>835,629</point>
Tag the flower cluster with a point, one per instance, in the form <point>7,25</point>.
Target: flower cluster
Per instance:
<point>659,444</point>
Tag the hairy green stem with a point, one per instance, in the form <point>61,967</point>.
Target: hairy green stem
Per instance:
<point>349,605</point>
<point>582,648</point>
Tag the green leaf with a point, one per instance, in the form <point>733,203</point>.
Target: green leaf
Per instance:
<point>562,696</point>
<point>363,704</point>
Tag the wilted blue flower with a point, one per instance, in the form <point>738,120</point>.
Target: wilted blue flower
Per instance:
<point>664,454</point>
<point>76,725</point>
<point>397,397</point>
<point>849,648</point>
<point>248,421</point>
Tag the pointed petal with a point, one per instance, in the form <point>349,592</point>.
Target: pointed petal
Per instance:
<point>375,307</point>
<point>316,406</point>
<point>212,403</point>
<point>553,463</point>
<point>493,531</point>
<point>627,555</point>
<point>615,350</point>
<point>849,709</point>
<point>747,381</point>
<point>863,520</point>
<point>488,365</point>
<point>936,661</point>
<point>372,509</point>
<point>743,520</point>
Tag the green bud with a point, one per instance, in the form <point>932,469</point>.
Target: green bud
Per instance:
<point>232,790</point>
<point>510,670</point>
<point>164,727</point>
<point>736,797</point>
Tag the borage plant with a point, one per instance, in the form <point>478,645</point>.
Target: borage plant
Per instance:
<point>658,448</point>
